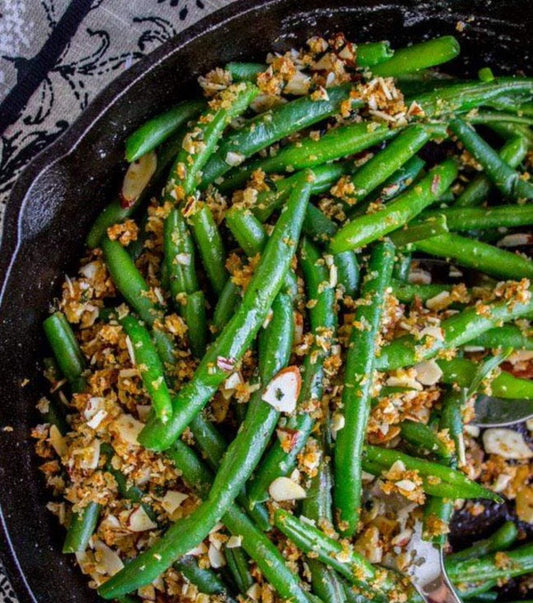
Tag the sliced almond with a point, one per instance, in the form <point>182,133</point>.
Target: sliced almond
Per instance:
<point>107,561</point>
<point>234,159</point>
<point>283,391</point>
<point>172,500</point>
<point>138,521</point>
<point>57,441</point>
<point>137,177</point>
<point>298,84</point>
<point>216,557</point>
<point>506,443</point>
<point>283,488</point>
<point>516,240</point>
<point>234,542</point>
<point>428,373</point>
<point>126,428</point>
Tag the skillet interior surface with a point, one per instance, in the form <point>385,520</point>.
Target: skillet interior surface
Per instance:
<point>58,196</point>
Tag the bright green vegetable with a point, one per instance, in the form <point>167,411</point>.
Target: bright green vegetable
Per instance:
<point>507,180</point>
<point>66,349</point>
<point>478,255</point>
<point>237,335</point>
<point>81,528</point>
<point>474,218</point>
<point>419,56</point>
<point>506,336</point>
<point>149,365</point>
<point>373,53</point>
<point>365,229</point>
<point>502,539</point>
<point>279,461</point>
<point>512,153</point>
<point>456,331</point>
<point>335,144</point>
<point>271,126</point>
<point>433,225</point>
<point>422,435</point>
<point>156,130</point>
<point>356,396</point>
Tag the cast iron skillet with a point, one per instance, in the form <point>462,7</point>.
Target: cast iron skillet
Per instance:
<point>58,196</point>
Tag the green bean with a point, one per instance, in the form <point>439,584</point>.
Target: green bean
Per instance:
<point>244,72</point>
<point>486,118</point>
<point>238,566</point>
<point>506,336</point>
<point>156,130</point>
<point>354,567</point>
<point>458,372</point>
<point>478,255</point>
<point>66,349</point>
<point>255,543</point>
<point>347,272</point>
<point>385,163</point>
<point>513,153</point>
<point>464,487</point>
<point>452,419</point>
<point>465,96</point>
<point>270,127</point>
<point>474,218</point>
<point>507,180</point>
<point>490,567</point>
<point>179,255</point>
<point>115,213</point>
<point>149,366</point>
<point>227,305</point>
<point>317,507</point>
<point>211,246</point>
<point>470,590</point>
<point>129,280</point>
<point>194,314</point>
<point>421,435</point>
<point>437,515</point>
<point>279,461</point>
<point>236,336</point>
<point>318,226</point>
<point>502,539</point>
<point>237,464</point>
<point>356,396</point>
<point>204,579</point>
<point>200,142</point>
<point>247,229</point>
<point>508,130</point>
<point>309,152</point>
<point>482,597</point>
<point>430,224</point>
<point>81,528</point>
<point>373,53</point>
<point>365,229</point>
<point>325,177</point>
<point>456,331</point>
<point>71,363</point>
<point>419,56</point>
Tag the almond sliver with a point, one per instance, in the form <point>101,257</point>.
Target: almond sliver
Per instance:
<point>283,391</point>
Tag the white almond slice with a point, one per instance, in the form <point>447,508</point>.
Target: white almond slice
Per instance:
<point>417,276</point>
<point>107,561</point>
<point>232,382</point>
<point>147,593</point>
<point>439,301</point>
<point>127,428</point>
<point>432,331</point>
<point>337,423</point>
<point>406,484</point>
<point>283,488</point>
<point>234,542</point>
<point>516,240</point>
<point>283,391</point>
<point>90,455</point>
<point>298,328</point>
<point>138,521</point>
<point>216,557</point>
<point>502,481</point>
<point>137,177</point>
<point>428,373</point>
<point>506,443</point>
<point>90,270</point>
<point>298,84</point>
<point>172,500</point>
<point>201,549</point>
<point>234,159</point>
<point>95,421</point>
<point>94,405</point>
<point>57,441</point>
<point>472,430</point>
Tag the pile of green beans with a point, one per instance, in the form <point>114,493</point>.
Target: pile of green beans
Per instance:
<point>254,248</point>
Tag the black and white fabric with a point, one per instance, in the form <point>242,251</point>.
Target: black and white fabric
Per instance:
<point>55,56</point>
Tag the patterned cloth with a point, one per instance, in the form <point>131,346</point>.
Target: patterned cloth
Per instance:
<point>55,56</point>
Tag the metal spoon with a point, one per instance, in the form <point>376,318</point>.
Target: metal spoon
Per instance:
<point>427,571</point>
<point>499,412</point>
